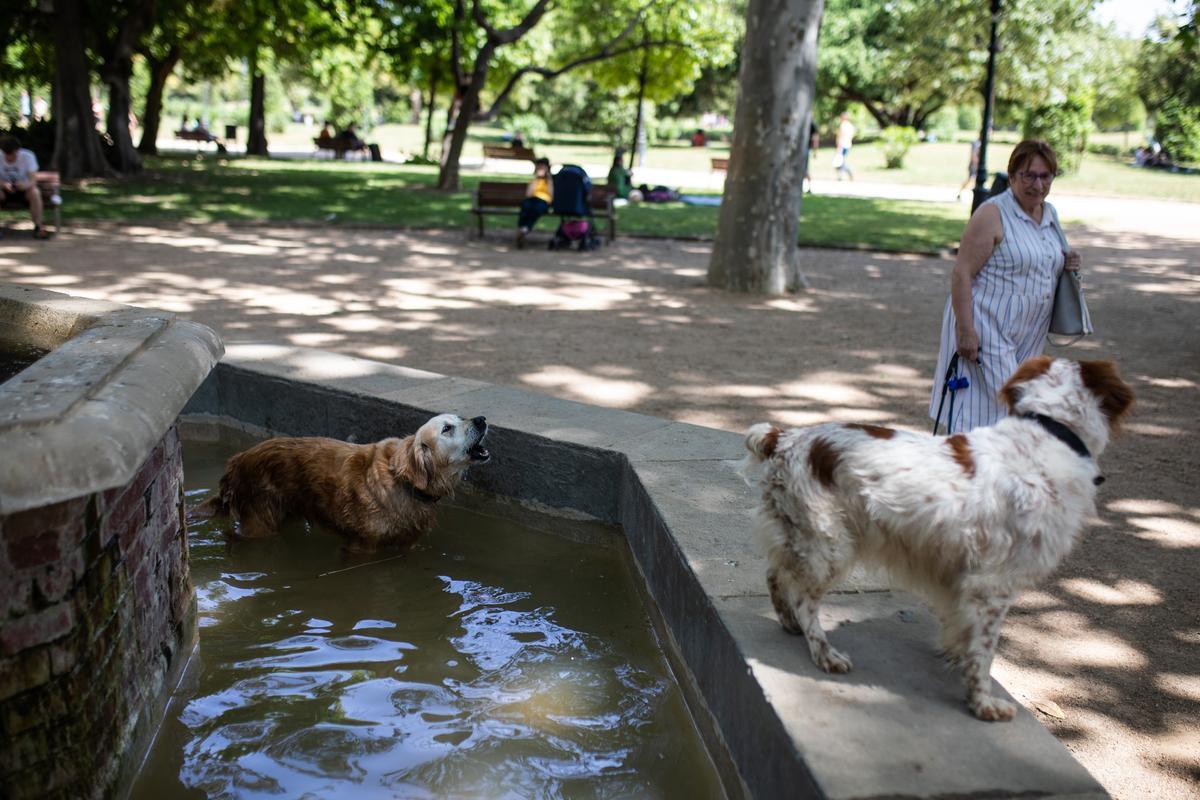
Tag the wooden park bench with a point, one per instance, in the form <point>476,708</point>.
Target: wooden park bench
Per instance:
<point>504,198</point>
<point>51,200</point>
<point>516,153</point>
<point>340,147</point>
<point>720,164</point>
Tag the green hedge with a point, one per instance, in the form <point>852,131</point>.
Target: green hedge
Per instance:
<point>1177,128</point>
<point>1064,125</point>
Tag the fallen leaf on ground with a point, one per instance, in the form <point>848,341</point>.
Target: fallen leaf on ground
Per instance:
<point>1050,708</point>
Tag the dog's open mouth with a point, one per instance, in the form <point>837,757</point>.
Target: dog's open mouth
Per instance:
<point>478,452</point>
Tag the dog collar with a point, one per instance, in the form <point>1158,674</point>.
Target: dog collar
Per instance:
<point>420,494</point>
<point>1064,435</point>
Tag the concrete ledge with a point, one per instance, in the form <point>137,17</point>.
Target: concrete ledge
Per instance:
<point>896,727</point>
<point>82,419</point>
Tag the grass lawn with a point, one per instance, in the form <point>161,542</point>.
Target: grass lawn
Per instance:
<point>929,164</point>
<point>206,189</point>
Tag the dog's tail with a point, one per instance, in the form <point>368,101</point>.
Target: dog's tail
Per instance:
<point>761,441</point>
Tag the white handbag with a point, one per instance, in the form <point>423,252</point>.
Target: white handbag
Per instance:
<point>1069,317</point>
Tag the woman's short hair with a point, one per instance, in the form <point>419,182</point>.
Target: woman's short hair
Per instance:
<point>542,162</point>
<point>1023,153</point>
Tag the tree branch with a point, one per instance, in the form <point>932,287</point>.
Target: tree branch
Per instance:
<point>460,77</point>
<point>509,35</point>
<point>609,50</point>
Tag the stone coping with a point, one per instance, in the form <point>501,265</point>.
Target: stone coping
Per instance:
<point>896,727</point>
<point>83,418</point>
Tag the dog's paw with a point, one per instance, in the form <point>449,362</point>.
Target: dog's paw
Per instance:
<point>832,660</point>
<point>992,709</point>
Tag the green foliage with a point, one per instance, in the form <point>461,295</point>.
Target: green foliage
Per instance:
<point>970,118</point>
<point>1064,125</point>
<point>531,127</point>
<point>1177,128</point>
<point>942,124</point>
<point>206,190</point>
<point>1168,67</point>
<point>904,59</point>
<point>897,140</point>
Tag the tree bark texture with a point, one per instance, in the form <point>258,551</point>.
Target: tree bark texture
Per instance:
<point>756,246</point>
<point>160,70</point>
<point>456,137</point>
<point>77,152</point>
<point>127,159</point>
<point>256,138</point>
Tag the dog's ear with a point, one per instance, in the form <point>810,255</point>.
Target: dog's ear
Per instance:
<point>415,462</point>
<point>1031,369</point>
<point>1103,380</point>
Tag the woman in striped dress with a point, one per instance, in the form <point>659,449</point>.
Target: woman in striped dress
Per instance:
<point>1002,288</point>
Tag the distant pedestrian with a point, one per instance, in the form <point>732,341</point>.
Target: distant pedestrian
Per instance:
<point>972,169</point>
<point>699,138</point>
<point>845,140</point>
<point>814,144</point>
<point>620,180</point>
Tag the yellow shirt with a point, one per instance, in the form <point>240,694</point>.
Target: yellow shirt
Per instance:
<point>541,189</point>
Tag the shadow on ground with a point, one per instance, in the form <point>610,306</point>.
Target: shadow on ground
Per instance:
<point>1113,639</point>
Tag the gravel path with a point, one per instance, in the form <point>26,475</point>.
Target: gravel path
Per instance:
<point>1113,640</point>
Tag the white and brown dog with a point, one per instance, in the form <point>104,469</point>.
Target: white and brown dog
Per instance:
<point>967,521</point>
<point>375,495</point>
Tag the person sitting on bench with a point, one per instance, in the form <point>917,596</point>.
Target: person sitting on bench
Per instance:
<point>17,183</point>
<point>539,194</point>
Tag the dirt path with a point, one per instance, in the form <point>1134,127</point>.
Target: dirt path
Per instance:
<point>1114,640</point>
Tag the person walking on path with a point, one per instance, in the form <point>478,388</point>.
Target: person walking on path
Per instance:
<point>814,144</point>
<point>972,170</point>
<point>539,194</point>
<point>845,140</point>
<point>1002,288</point>
<point>18,185</point>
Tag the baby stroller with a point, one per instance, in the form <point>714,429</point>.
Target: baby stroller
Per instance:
<point>572,193</point>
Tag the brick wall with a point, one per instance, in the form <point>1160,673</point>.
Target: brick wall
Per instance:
<point>96,610</point>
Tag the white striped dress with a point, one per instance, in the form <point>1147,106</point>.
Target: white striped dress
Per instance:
<point>1012,296</point>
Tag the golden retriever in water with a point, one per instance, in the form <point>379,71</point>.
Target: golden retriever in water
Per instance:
<point>376,495</point>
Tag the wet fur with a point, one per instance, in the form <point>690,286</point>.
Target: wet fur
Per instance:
<point>967,522</point>
<point>364,492</point>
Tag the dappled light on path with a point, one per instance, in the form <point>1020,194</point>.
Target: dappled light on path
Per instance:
<point>1112,639</point>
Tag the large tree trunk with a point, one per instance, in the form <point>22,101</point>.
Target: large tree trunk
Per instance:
<point>160,70</point>
<point>641,101</point>
<point>756,247</point>
<point>117,74</point>
<point>77,152</point>
<point>429,113</point>
<point>256,139</point>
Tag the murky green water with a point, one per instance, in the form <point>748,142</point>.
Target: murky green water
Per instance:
<point>493,661</point>
<point>16,357</point>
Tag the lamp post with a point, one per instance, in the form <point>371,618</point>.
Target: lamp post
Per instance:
<point>989,90</point>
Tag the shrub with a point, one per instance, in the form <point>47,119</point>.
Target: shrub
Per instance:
<point>531,127</point>
<point>1177,128</point>
<point>897,140</point>
<point>1064,125</point>
<point>970,118</point>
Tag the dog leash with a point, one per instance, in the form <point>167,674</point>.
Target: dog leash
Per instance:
<point>951,382</point>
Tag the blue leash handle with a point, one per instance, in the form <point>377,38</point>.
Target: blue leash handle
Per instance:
<point>952,383</point>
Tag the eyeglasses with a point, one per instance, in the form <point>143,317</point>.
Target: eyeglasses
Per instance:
<point>1035,177</point>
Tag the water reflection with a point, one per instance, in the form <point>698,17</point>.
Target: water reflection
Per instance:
<point>494,662</point>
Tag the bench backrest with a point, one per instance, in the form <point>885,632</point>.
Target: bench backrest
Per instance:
<point>503,151</point>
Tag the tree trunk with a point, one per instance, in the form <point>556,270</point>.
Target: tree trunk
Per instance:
<point>117,74</point>
<point>429,113</point>
<point>256,139</point>
<point>756,246</point>
<point>448,175</point>
<point>452,115</point>
<point>77,152</point>
<point>637,125</point>
<point>160,70</point>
